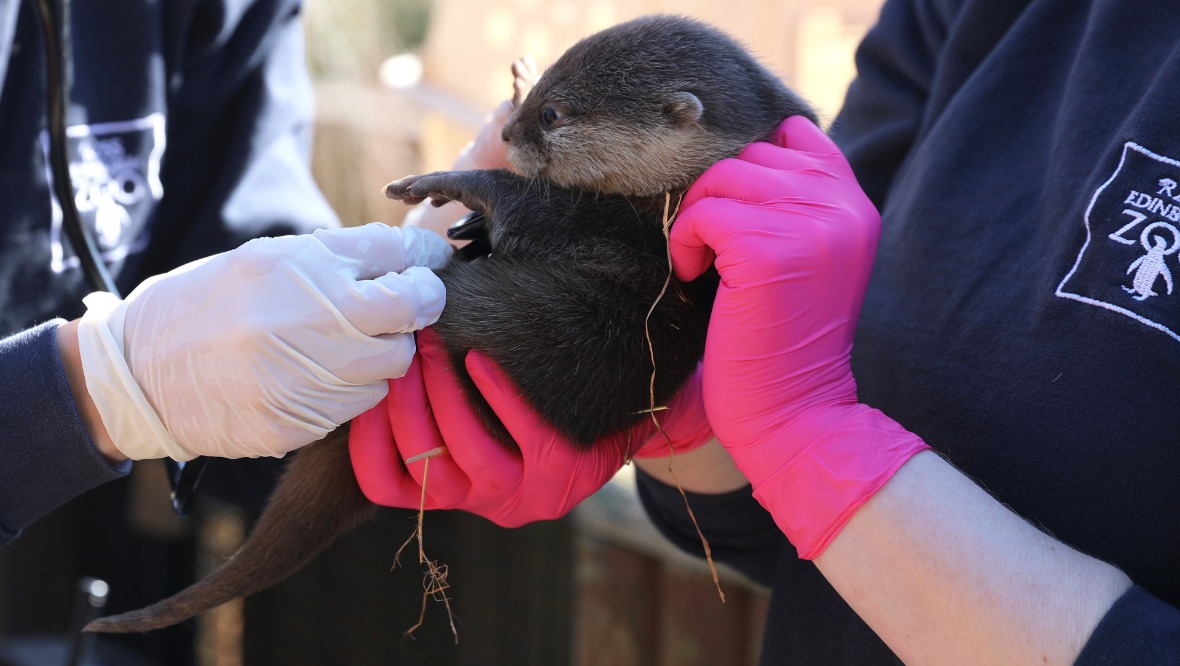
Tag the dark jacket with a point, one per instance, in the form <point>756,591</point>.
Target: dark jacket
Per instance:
<point>1023,316</point>
<point>190,127</point>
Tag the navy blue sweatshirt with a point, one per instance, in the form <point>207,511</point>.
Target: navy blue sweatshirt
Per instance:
<point>1023,316</point>
<point>189,134</point>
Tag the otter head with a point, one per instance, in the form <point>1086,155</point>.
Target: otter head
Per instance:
<point>644,108</point>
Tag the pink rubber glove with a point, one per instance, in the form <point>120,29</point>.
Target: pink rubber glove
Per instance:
<point>542,480</point>
<point>793,237</point>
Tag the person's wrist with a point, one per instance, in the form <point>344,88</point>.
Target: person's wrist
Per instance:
<point>689,433</point>
<point>67,343</point>
<point>684,426</point>
<point>131,422</point>
<point>706,470</point>
<point>819,468</point>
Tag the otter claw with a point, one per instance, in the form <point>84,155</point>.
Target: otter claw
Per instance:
<point>398,190</point>
<point>416,189</point>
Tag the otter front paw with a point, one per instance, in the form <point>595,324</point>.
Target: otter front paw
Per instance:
<point>440,187</point>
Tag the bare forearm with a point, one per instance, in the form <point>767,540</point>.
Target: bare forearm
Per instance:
<point>946,575</point>
<point>708,470</point>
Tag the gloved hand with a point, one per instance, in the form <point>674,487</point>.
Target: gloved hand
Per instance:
<point>793,238</point>
<point>263,349</point>
<point>541,480</point>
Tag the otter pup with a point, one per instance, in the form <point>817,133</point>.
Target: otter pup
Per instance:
<point>558,293</point>
<point>578,255</point>
<point>644,107</point>
<point>568,258</point>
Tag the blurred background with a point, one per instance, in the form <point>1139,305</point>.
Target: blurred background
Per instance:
<point>401,86</point>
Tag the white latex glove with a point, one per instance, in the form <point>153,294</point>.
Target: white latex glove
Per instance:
<point>263,349</point>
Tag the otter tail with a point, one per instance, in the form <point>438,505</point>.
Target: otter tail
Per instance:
<point>315,502</point>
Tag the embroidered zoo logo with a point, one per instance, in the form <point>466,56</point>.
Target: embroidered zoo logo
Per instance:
<point>1132,249</point>
<point>115,171</point>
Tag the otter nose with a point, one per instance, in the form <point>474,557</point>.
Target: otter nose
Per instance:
<point>509,129</point>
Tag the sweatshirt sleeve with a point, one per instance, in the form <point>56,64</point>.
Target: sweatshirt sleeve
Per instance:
<point>46,455</point>
<point>740,532</point>
<point>885,105</point>
<point>240,121</point>
<point>1138,629</point>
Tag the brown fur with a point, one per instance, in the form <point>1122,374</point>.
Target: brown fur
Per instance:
<point>316,500</point>
<point>561,301</point>
<point>645,107</point>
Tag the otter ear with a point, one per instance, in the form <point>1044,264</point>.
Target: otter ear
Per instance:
<point>684,108</point>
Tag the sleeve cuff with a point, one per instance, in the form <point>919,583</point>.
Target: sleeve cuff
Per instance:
<point>1138,629</point>
<point>46,455</point>
<point>740,532</point>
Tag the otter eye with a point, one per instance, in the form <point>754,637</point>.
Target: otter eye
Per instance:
<point>550,117</point>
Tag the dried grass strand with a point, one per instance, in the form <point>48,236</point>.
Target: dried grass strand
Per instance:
<point>434,581</point>
<point>668,219</point>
